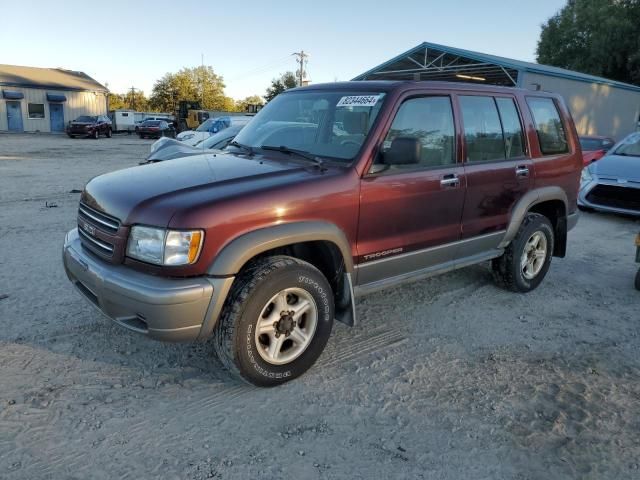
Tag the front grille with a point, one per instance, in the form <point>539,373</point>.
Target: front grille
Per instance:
<point>102,221</point>
<point>627,198</point>
<point>104,247</point>
<point>100,233</point>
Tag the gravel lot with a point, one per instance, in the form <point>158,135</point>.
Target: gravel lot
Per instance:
<point>448,378</point>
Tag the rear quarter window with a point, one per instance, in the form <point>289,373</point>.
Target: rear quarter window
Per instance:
<point>551,134</point>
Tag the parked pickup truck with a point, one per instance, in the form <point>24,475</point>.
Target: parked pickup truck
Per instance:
<point>330,192</point>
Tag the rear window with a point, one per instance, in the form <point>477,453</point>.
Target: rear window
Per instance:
<point>551,134</point>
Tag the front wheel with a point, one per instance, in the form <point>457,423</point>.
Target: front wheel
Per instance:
<point>527,259</point>
<point>276,322</point>
<point>109,133</point>
<point>638,280</point>
<point>96,134</point>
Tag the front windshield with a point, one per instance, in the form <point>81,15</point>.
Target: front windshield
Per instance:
<point>204,126</point>
<point>86,119</point>
<point>151,123</point>
<point>330,124</point>
<point>216,138</point>
<point>630,146</point>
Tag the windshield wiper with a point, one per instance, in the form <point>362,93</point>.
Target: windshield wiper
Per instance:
<point>301,153</point>
<point>246,148</point>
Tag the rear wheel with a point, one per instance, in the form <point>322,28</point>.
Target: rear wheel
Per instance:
<point>276,322</point>
<point>526,260</point>
<point>638,280</point>
<point>71,136</point>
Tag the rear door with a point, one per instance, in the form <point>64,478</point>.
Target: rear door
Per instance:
<point>410,214</point>
<point>497,166</point>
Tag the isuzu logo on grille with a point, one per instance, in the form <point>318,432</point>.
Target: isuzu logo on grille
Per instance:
<point>88,228</point>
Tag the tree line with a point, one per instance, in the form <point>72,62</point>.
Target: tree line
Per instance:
<point>198,83</point>
<point>597,37</point>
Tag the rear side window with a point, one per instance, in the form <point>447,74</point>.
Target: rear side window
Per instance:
<point>551,134</point>
<point>512,128</point>
<point>482,129</point>
<point>430,120</point>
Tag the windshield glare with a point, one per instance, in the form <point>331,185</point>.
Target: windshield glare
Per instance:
<point>331,124</point>
<point>629,146</point>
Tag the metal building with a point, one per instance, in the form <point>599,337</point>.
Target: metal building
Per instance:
<point>599,106</point>
<point>46,99</point>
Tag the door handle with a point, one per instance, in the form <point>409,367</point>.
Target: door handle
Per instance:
<point>450,181</point>
<point>522,171</point>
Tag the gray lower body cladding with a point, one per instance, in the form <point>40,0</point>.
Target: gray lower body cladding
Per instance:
<point>161,308</point>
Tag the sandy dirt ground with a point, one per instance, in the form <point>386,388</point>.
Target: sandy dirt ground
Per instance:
<point>447,378</point>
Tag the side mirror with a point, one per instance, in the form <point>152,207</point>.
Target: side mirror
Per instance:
<point>403,151</point>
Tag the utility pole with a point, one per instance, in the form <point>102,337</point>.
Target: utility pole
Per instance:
<point>132,102</point>
<point>201,79</point>
<point>301,58</point>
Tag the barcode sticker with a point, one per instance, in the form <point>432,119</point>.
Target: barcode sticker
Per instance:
<point>358,101</point>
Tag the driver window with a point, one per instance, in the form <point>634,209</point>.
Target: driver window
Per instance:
<point>430,121</point>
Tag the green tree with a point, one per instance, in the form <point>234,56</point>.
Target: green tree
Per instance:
<point>284,82</point>
<point>243,105</point>
<point>598,37</point>
<point>199,83</point>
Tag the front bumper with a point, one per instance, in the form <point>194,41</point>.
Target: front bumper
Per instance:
<point>169,309</point>
<point>585,190</point>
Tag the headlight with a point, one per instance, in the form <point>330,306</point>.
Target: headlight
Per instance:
<point>164,247</point>
<point>157,143</point>
<point>585,176</point>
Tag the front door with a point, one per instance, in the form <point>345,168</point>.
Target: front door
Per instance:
<point>56,114</point>
<point>14,117</point>
<point>410,214</point>
<point>497,168</point>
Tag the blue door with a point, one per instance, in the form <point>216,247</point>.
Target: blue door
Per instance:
<point>56,114</point>
<point>14,117</point>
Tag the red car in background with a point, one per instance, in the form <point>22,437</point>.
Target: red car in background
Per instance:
<point>594,148</point>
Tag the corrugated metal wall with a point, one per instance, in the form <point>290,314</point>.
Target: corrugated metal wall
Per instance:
<point>78,103</point>
<point>597,109</point>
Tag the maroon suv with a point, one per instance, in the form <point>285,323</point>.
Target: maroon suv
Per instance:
<point>90,126</point>
<point>330,192</point>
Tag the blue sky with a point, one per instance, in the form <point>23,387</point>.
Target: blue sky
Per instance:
<point>125,43</point>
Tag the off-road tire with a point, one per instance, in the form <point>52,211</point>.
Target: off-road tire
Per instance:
<point>638,280</point>
<point>234,335</point>
<point>506,269</point>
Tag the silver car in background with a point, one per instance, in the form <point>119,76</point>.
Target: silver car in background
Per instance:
<point>612,184</point>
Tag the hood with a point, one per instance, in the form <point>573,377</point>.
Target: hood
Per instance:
<point>152,194</point>
<point>618,167</point>
<point>185,133</point>
<point>171,149</point>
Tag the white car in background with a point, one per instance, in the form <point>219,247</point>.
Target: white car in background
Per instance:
<point>210,127</point>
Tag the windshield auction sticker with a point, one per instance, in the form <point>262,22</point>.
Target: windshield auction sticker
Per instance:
<point>358,101</point>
